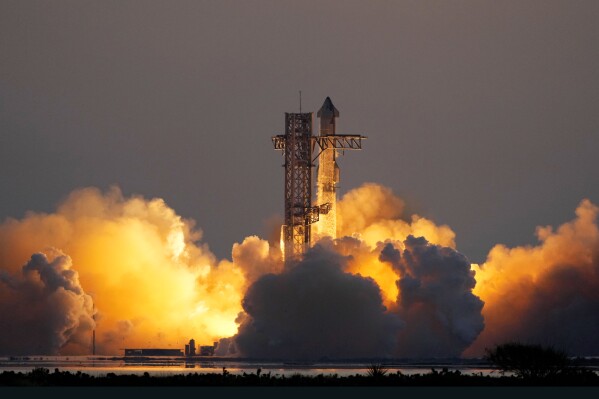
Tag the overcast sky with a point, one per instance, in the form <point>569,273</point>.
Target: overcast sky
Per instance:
<point>482,114</point>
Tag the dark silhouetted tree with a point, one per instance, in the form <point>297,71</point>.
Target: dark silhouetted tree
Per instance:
<point>528,361</point>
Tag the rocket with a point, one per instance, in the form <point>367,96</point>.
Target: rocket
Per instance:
<point>327,172</point>
<point>327,114</point>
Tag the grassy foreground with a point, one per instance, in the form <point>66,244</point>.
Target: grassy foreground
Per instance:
<point>375,376</point>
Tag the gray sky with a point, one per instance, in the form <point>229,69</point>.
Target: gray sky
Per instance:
<point>481,114</point>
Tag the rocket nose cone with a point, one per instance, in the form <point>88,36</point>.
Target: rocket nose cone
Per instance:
<point>328,109</point>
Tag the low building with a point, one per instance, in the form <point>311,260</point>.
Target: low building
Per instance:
<point>207,350</point>
<point>153,352</point>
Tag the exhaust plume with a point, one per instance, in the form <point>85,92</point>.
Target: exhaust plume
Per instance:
<point>255,257</point>
<point>152,282</point>
<point>442,316</point>
<point>417,293</point>
<point>316,310</point>
<point>319,309</point>
<point>373,213</point>
<point>44,307</point>
<point>546,294</point>
<point>389,286</point>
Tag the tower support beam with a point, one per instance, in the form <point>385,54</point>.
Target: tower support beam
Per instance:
<point>298,183</point>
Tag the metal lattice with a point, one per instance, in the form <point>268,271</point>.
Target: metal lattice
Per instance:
<point>298,183</point>
<point>297,145</point>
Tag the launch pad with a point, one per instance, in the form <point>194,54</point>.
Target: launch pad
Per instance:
<point>299,146</point>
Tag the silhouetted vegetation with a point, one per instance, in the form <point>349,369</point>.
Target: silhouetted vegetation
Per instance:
<point>377,375</point>
<point>530,361</point>
<point>376,371</point>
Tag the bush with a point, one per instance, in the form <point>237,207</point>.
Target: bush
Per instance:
<point>529,361</point>
<point>377,371</point>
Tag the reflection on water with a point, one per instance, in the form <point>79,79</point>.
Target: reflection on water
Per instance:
<point>163,366</point>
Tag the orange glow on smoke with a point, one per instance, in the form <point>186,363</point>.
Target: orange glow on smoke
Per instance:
<point>373,214</point>
<point>509,278</point>
<point>151,283</point>
<point>368,265</point>
<point>155,285</point>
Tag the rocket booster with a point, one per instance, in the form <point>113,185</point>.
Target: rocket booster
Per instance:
<point>328,172</point>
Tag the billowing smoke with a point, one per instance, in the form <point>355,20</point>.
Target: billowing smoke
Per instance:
<point>546,294</point>
<point>44,307</point>
<point>371,214</point>
<point>442,316</point>
<point>391,285</point>
<point>374,214</point>
<point>376,292</point>
<point>316,310</point>
<point>152,282</point>
<point>256,257</point>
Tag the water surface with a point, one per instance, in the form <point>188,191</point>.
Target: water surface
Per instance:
<point>164,366</point>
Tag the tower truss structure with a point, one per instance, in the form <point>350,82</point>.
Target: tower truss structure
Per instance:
<point>298,145</point>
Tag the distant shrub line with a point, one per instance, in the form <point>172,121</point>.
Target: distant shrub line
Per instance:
<point>529,365</point>
<point>374,377</point>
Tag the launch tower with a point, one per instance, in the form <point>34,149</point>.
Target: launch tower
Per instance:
<point>298,145</point>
